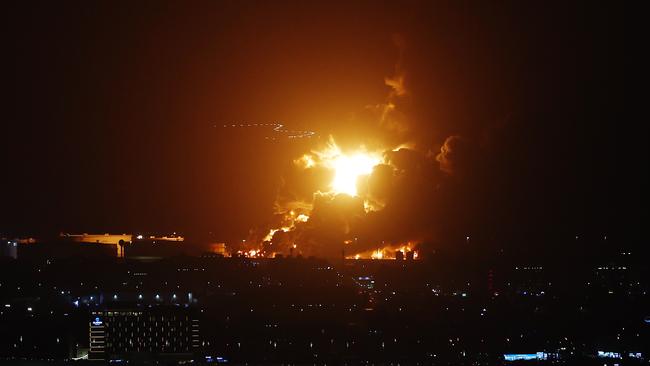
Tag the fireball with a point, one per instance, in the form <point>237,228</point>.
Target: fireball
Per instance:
<point>347,167</point>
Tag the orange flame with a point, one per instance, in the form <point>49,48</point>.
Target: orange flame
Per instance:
<point>387,252</point>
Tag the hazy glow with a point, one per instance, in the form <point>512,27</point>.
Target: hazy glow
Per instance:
<point>307,161</point>
<point>302,218</point>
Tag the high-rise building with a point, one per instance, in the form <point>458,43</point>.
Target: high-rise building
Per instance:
<point>144,334</point>
<point>8,248</point>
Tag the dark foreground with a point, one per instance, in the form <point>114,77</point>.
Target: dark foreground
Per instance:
<point>307,311</point>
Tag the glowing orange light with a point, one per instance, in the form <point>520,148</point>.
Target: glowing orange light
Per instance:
<point>302,218</point>
<point>306,161</point>
<point>347,167</point>
<point>269,236</point>
<point>388,252</point>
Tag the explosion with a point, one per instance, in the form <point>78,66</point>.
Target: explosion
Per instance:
<point>344,196</point>
<point>366,187</point>
<point>347,168</point>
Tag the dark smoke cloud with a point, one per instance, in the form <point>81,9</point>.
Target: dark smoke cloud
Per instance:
<point>404,197</point>
<point>409,196</point>
<point>456,155</point>
<point>331,221</point>
<point>298,186</point>
<point>377,126</point>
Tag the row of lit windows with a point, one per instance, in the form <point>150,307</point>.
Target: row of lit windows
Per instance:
<point>116,313</point>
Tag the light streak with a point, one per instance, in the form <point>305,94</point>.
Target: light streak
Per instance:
<point>277,128</point>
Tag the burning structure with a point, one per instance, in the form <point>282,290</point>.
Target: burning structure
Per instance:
<point>355,200</point>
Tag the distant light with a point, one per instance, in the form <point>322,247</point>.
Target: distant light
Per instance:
<point>157,296</point>
<point>29,309</point>
<point>76,303</point>
<point>139,237</point>
<point>7,305</point>
<point>140,296</point>
<point>115,297</point>
<point>525,356</point>
<point>174,296</point>
<point>605,354</point>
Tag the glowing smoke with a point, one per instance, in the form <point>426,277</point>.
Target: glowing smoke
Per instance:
<point>363,200</point>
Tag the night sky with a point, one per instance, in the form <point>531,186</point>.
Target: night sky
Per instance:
<point>116,111</point>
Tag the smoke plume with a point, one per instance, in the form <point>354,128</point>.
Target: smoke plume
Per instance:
<point>402,202</point>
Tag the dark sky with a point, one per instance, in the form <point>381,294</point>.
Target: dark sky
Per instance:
<point>112,107</point>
